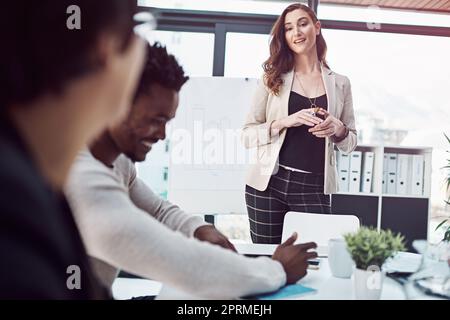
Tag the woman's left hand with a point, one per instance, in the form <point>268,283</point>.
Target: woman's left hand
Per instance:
<point>330,127</point>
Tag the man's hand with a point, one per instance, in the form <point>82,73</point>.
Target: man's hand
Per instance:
<point>210,234</point>
<point>294,258</point>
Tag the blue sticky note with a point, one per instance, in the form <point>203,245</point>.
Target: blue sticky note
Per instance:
<point>284,292</point>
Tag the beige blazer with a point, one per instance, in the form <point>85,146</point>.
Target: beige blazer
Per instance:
<point>266,108</point>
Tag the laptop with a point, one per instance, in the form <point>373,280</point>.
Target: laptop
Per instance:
<point>310,227</point>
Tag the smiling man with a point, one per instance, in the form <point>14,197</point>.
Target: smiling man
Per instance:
<point>126,226</point>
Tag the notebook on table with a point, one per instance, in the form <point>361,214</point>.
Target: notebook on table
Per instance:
<point>256,249</point>
<point>289,291</point>
<point>267,250</point>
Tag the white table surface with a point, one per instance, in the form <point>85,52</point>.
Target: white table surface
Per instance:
<point>328,288</point>
<point>127,288</point>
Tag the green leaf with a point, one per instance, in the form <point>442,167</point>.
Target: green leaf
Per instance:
<point>441,224</point>
<point>447,138</point>
<point>447,235</point>
<point>448,182</point>
<point>368,247</point>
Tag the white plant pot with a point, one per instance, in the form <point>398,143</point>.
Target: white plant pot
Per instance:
<point>368,284</point>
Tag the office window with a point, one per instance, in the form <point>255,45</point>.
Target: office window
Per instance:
<point>154,170</point>
<point>400,85</point>
<point>194,51</point>
<point>374,14</point>
<point>239,6</point>
<point>245,54</point>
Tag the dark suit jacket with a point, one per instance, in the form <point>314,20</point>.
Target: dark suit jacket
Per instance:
<point>39,240</point>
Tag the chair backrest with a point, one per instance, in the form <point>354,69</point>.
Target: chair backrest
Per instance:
<point>318,227</point>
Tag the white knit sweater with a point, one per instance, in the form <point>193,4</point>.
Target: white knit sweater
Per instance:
<point>124,225</point>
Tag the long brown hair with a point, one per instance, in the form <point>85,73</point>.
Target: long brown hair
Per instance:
<point>281,58</point>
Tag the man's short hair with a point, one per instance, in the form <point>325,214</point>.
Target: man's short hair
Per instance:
<point>161,68</point>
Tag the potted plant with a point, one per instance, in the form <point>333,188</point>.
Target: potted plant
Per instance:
<point>369,249</point>
<point>446,223</point>
<point>447,229</point>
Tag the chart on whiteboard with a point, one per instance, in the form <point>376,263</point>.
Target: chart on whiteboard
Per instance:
<point>208,162</point>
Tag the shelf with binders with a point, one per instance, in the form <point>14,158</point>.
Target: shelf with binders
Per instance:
<point>359,173</point>
<point>406,172</point>
<point>404,209</point>
<point>387,171</point>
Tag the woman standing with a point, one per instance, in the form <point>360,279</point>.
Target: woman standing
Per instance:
<point>301,109</point>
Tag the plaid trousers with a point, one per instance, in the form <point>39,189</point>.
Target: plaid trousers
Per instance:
<point>287,191</point>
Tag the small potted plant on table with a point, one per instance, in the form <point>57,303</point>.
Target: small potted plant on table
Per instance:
<point>369,249</point>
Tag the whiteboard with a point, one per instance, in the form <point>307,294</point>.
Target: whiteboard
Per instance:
<point>208,162</point>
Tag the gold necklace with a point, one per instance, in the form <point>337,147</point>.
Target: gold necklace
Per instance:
<point>313,104</point>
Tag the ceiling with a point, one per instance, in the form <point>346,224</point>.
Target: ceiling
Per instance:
<point>442,6</point>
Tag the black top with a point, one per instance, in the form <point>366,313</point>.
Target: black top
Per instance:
<point>301,149</point>
<point>38,235</point>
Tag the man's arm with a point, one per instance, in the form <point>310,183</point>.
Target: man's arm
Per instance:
<point>164,211</point>
<point>175,218</point>
<point>121,234</point>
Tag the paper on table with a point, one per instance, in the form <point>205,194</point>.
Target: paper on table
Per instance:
<point>255,249</point>
<point>285,292</point>
<point>403,262</point>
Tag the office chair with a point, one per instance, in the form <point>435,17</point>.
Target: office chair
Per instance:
<point>318,228</point>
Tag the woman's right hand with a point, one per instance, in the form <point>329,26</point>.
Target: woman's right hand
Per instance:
<point>302,117</point>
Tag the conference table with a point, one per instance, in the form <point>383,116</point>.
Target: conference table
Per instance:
<point>328,287</point>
